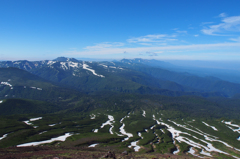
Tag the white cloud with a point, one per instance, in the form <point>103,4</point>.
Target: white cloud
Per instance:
<point>157,49</point>
<point>229,24</point>
<point>156,38</point>
<point>222,15</point>
<point>196,35</point>
<point>152,53</point>
<point>235,39</point>
<point>104,45</point>
<point>181,31</point>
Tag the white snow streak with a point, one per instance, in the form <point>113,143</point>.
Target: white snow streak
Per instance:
<point>92,116</point>
<point>144,113</point>
<point>109,122</point>
<point>209,148</point>
<point>85,66</point>
<point>134,144</point>
<point>60,138</point>
<point>32,119</point>
<point>5,135</point>
<point>210,126</point>
<point>125,133</point>
<point>93,145</point>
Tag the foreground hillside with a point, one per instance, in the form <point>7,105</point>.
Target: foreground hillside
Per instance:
<point>136,124</point>
<point>47,152</point>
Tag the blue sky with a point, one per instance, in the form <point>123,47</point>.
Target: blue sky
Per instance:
<point>115,29</point>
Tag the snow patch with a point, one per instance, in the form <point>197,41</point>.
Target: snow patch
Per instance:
<point>134,144</point>
<point>210,126</point>
<point>32,119</point>
<point>1,101</point>
<point>140,135</point>
<point>93,145</point>
<point>175,152</point>
<point>92,116</point>
<point>5,135</point>
<point>125,133</point>
<point>60,138</point>
<point>42,132</point>
<point>205,153</point>
<point>52,124</point>
<point>51,62</point>
<point>103,65</point>
<point>109,122</point>
<point>144,113</point>
<point>85,66</point>
<point>7,84</point>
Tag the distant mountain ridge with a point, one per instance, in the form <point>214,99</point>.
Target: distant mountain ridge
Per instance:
<point>132,76</point>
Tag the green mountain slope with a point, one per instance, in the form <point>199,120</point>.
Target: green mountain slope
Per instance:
<point>18,83</point>
<point>23,106</point>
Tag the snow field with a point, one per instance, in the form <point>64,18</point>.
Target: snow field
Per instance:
<point>209,148</point>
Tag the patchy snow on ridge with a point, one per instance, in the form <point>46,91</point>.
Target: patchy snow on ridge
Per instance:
<point>5,135</point>
<point>92,116</point>
<point>51,62</point>
<point>176,136</point>
<point>144,113</point>
<point>230,123</point>
<point>103,65</point>
<point>177,151</point>
<point>42,132</point>
<point>85,66</point>
<point>60,138</point>
<point>73,64</point>
<point>109,122</point>
<point>125,133</point>
<point>140,135</point>
<point>52,124</point>
<point>192,152</point>
<point>93,145</point>
<point>1,101</point>
<point>213,127</point>
<point>7,84</point>
<point>134,144</point>
<point>32,119</point>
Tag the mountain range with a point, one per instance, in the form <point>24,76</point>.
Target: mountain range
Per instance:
<point>133,76</point>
